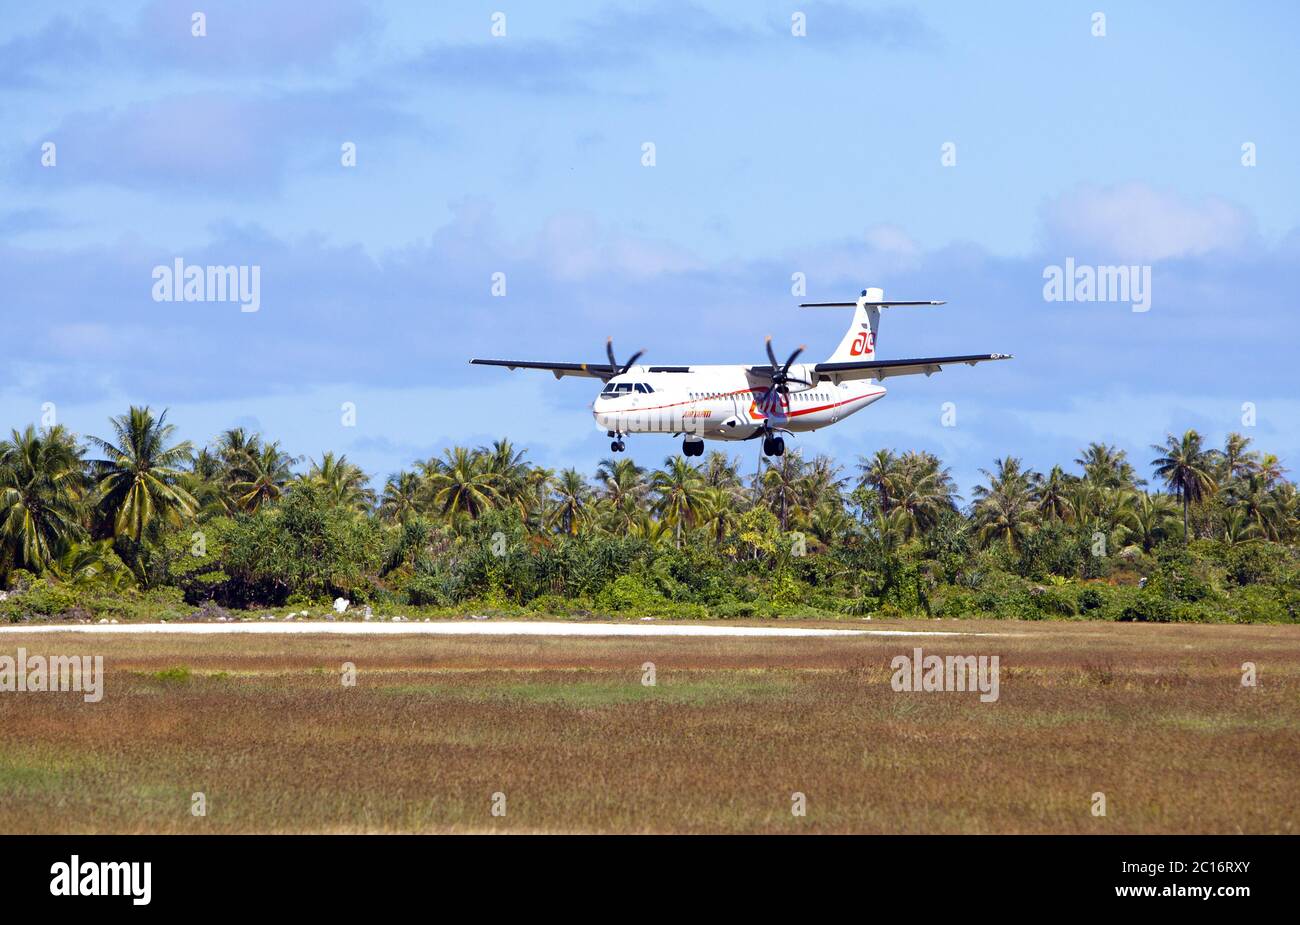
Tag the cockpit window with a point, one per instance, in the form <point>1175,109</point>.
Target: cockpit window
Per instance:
<point>624,388</point>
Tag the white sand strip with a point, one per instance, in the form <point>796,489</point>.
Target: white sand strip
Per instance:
<point>466,628</point>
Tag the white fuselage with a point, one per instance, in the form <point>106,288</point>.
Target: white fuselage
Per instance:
<point>723,402</point>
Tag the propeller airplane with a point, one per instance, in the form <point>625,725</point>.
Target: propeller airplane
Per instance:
<point>739,402</point>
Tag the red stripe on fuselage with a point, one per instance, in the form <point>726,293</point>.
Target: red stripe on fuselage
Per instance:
<point>791,414</point>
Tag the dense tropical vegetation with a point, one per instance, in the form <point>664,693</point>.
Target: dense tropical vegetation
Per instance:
<point>139,524</point>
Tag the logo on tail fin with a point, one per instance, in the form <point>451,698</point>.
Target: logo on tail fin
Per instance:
<point>864,343</point>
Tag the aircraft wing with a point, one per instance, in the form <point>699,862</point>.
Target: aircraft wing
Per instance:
<point>601,371</point>
<point>883,369</point>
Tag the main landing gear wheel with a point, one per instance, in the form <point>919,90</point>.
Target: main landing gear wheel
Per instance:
<point>773,446</point>
<point>692,447</point>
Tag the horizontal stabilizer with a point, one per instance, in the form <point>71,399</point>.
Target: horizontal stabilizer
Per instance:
<point>867,304</point>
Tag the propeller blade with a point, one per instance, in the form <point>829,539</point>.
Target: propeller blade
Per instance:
<point>609,352</point>
<point>794,356</point>
<point>770,355</point>
<point>632,362</point>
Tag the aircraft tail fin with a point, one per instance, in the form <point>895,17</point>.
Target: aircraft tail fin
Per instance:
<point>859,342</point>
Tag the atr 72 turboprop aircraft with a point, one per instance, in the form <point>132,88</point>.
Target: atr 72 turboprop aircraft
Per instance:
<point>738,402</point>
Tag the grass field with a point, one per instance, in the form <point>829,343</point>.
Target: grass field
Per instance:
<point>1154,717</point>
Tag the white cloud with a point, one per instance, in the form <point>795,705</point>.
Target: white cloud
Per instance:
<point>575,246</point>
<point>882,251</point>
<point>1136,223</point>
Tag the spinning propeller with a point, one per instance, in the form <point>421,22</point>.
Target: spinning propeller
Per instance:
<point>617,369</point>
<point>781,373</point>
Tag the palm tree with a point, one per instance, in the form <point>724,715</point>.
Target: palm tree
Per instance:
<point>1114,516</point>
<point>628,517</point>
<point>571,501</point>
<point>1284,503</point>
<point>92,563</point>
<point>1150,518</point>
<point>1236,460</point>
<point>821,485</point>
<point>460,483</point>
<point>235,450</point>
<point>402,496</point>
<point>1106,467</point>
<point>1185,467</point>
<point>1004,509</point>
<point>680,494</point>
<point>721,471</point>
<point>781,485</point>
<point>1251,498</point>
<point>880,472</point>
<point>1270,469</point>
<point>206,483</point>
<point>830,521</point>
<point>263,477</point>
<point>923,490</point>
<point>139,479</point>
<point>1238,528</point>
<point>537,490</point>
<point>1003,517</point>
<point>1082,500</point>
<point>342,483</point>
<point>1053,495</point>
<point>721,509</point>
<point>509,471</point>
<point>620,479</point>
<point>39,516</point>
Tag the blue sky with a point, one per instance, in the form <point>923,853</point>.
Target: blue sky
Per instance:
<point>775,154</point>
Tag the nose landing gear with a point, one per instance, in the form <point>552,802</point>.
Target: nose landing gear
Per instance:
<point>618,445</point>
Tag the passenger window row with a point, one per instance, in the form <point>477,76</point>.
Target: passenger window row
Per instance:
<point>625,388</point>
<point>796,396</point>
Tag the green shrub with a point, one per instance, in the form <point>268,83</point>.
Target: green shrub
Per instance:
<point>1150,605</point>
<point>422,590</point>
<point>784,589</point>
<point>858,607</point>
<point>630,594</point>
<point>45,597</point>
<point>957,603</point>
<point>1091,598</point>
<point>302,546</point>
<point>1058,601</point>
<point>737,610</point>
<point>1256,604</point>
<point>1255,563</point>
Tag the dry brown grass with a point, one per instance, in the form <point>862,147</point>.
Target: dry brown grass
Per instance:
<point>1153,716</point>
